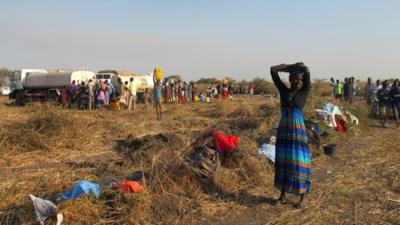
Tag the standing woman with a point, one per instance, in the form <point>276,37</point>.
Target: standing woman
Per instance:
<point>157,96</point>
<point>293,159</point>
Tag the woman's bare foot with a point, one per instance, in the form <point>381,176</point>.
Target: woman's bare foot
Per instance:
<point>298,205</point>
<point>281,200</point>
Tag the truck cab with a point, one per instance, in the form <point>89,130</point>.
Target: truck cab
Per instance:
<point>18,79</point>
<point>109,77</point>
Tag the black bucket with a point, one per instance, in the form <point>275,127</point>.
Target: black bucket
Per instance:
<point>330,149</point>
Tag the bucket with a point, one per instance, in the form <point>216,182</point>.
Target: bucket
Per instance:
<point>330,149</point>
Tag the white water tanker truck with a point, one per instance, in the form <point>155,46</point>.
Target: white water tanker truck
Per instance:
<point>38,84</point>
<point>142,81</point>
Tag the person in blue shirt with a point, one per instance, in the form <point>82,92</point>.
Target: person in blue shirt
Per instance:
<point>157,96</point>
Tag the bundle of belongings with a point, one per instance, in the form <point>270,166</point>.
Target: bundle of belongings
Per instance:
<point>335,117</point>
<point>204,159</point>
<point>224,143</point>
<point>44,209</point>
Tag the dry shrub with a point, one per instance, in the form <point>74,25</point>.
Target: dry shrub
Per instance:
<point>126,207</point>
<point>172,187</point>
<point>244,123</point>
<point>152,147</point>
<point>242,110</point>
<point>322,88</point>
<point>264,86</point>
<point>269,109</point>
<point>222,109</point>
<point>41,131</point>
<point>246,164</point>
<point>83,210</point>
<point>227,180</point>
<point>17,214</point>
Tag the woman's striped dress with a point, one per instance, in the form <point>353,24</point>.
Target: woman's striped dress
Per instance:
<point>292,156</point>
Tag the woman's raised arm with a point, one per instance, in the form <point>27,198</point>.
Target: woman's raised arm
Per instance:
<point>275,75</point>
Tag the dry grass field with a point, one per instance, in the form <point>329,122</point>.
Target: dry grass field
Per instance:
<point>44,150</point>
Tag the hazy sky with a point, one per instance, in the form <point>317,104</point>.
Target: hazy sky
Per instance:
<point>203,38</point>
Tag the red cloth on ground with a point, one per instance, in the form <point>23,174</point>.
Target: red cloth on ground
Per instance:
<point>128,186</point>
<point>224,143</point>
<point>340,125</point>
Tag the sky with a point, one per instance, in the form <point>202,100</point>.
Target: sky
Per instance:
<point>204,38</point>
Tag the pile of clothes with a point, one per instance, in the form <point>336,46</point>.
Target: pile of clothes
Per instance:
<point>204,159</point>
<point>335,117</point>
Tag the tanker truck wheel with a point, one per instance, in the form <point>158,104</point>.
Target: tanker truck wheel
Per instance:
<point>53,98</point>
<point>19,99</point>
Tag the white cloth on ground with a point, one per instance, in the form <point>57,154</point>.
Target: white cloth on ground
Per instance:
<point>44,209</point>
<point>326,117</point>
<point>268,150</point>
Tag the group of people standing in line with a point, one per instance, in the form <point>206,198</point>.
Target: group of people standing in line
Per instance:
<point>98,94</point>
<point>181,91</point>
<point>384,98</point>
<point>101,93</point>
<point>346,90</point>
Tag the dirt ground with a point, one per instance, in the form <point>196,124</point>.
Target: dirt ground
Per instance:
<point>44,150</point>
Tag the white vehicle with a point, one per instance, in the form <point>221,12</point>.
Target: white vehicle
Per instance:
<point>17,78</point>
<point>111,76</point>
<point>142,81</point>
<point>42,84</point>
<point>57,79</point>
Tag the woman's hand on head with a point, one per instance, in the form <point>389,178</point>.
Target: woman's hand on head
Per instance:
<point>300,65</point>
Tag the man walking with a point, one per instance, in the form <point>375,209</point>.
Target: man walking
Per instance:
<point>132,98</point>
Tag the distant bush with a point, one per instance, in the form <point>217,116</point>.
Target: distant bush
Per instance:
<point>322,88</point>
<point>263,86</point>
<point>4,74</point>
<point>211,80</point>
<point>174,77</point>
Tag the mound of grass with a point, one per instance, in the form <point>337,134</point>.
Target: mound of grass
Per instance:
<point>42,130</point>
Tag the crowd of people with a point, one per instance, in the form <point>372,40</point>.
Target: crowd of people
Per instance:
<point>347,90</point>
<point>181,91</point>
<point>384,98</point>
<point>124,95</point>
<point>87,95</point>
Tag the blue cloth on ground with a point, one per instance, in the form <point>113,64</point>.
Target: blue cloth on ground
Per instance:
<point>80,188</point>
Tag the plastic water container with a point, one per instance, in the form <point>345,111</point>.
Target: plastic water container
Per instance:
<point>158,73</point>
